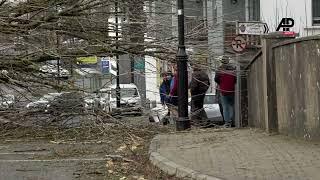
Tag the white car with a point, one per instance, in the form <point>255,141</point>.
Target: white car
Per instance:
<point>211,108</point>
<point>130,102</point>
<point>53,70</point>
<point>43,101</point>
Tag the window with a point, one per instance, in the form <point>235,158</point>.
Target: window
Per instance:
<point>214,11</point>
<point>316,12</point>
<point>254,10</point>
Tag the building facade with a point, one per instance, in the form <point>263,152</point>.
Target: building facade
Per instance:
<point>222,17</point>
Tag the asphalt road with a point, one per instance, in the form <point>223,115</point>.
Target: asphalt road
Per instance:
<point>36,161</point>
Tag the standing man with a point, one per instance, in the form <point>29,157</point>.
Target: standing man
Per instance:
<point>199,85</point>
<point>226,79</point>
<point>164,93</point>
<point>165,87</point>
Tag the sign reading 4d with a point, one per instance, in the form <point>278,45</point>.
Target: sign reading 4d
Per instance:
<point>286,24</point>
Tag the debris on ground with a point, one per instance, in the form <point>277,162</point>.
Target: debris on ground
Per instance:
<point>120,147</point>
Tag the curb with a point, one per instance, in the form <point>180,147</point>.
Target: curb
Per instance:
<point>172,168</point>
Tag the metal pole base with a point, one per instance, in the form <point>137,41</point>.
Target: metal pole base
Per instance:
<point>183,124</point>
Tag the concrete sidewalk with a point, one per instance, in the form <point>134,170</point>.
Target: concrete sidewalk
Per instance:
<point>235,154</point>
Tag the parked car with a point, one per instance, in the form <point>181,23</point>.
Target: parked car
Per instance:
<point>211,107</point>
<point>52,70</point>
<point>67,109</point>
<point>44,101</point>
<point>88,101</point>
<point>130,102</point>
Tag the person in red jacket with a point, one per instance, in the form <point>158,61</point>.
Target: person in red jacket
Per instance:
<point>173,96</point>
<point>226,79</point>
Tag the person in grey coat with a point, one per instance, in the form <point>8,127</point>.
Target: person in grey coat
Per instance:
<point>199,85</point>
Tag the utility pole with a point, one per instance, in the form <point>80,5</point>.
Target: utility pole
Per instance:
<point>183,121</point>
<point>132,68</point>
<point>117,56</point>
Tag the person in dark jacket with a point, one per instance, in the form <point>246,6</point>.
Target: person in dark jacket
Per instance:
<point>226,79</point>
<point>165,87</point>
<point>172,99</point>
<point>199,85</point>
<point>164,94</point>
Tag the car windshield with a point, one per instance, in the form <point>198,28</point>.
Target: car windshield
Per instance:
<point>210,99</point>
<point>125,93</point>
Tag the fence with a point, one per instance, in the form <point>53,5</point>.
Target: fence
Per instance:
<point>255,98</point>
<point>284,88</point>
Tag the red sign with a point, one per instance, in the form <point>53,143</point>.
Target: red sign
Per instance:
<point>239,44</point>
<point>289,33</point>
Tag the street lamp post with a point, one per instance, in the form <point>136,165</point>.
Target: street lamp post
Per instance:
<point>117,56</point>
<point>183,121</point>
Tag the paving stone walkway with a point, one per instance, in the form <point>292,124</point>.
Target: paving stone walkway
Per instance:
<point>236,154</point>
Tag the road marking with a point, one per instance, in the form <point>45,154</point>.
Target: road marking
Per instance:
<point>52,160</point>
<point>22,153</point>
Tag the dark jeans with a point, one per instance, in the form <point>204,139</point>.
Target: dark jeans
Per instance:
<point>221,110</point>
<point>218,98</point>
<point>198,114</point>
<point>228,108</point>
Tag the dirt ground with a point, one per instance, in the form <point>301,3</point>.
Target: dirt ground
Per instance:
<point>103,151</point>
